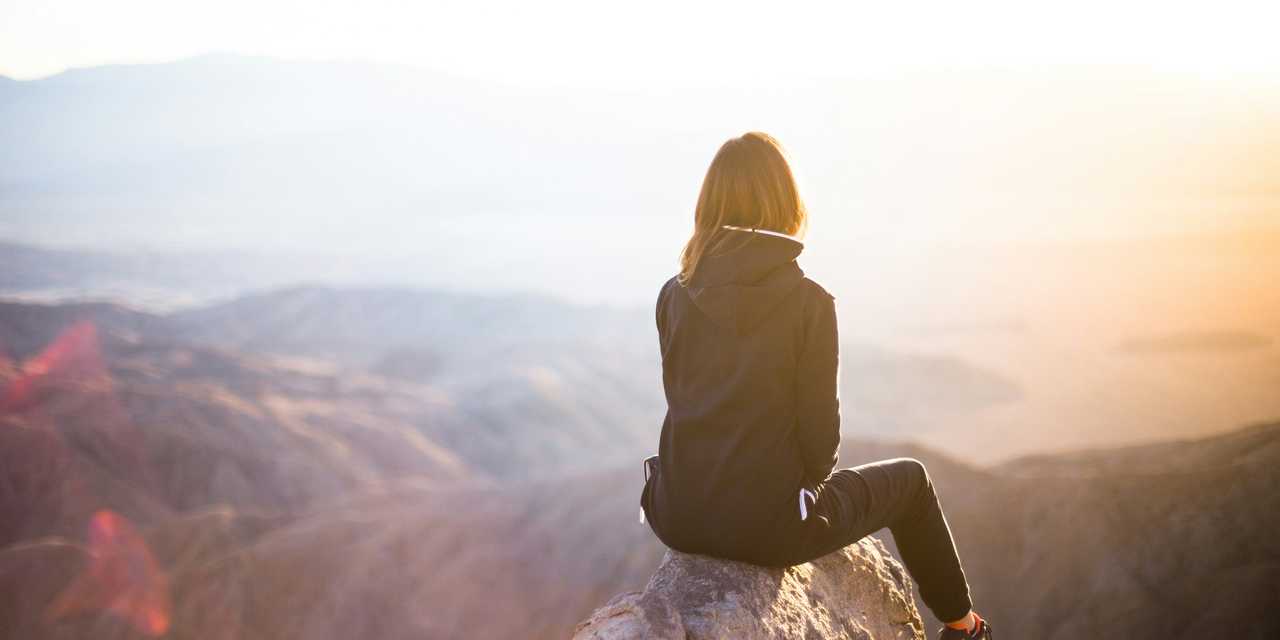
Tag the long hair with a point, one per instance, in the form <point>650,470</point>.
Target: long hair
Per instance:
<point>749,184</point>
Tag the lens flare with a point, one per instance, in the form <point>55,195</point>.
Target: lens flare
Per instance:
<point>122,579</point>
<point>74,354</point>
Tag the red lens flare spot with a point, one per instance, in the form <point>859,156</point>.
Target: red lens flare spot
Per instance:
<point>74,354</point>
<point>74,351</point>
<point>122,579</point>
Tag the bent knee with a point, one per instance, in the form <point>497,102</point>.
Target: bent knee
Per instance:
<point>916,470</point>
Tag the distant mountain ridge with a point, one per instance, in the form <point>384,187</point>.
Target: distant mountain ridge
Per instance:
<point>212,144</point>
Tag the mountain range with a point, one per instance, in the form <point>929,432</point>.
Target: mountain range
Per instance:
<point>310,495</point>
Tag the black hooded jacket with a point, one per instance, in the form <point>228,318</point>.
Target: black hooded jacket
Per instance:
<point>749,366</point>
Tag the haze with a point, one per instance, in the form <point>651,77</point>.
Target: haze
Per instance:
<point>389,163</point>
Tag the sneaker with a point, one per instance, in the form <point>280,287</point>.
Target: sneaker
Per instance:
<point>983,632</point>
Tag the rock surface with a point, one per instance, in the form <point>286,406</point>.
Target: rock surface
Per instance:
<point>859,592</point>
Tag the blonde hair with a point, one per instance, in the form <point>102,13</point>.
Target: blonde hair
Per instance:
<point>749,184</point>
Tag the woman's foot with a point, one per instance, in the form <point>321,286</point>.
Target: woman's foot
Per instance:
<point>973,627</point>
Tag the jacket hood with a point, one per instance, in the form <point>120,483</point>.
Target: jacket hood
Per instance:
<point>738,288</point>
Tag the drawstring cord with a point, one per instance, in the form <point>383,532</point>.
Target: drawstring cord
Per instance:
<point>804,509</point>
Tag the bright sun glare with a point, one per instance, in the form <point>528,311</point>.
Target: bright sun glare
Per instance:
<point>656,43</point>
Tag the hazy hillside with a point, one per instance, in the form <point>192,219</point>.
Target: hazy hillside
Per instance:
<point>516,385</point>
<point>411,562</point>
<point>1180,545</point>
<point>499,410</point>
<point>282,495</point>
<point>1015,352</point>
<point>362,326</point>
<point>427,561</point>
<point>98,419</point>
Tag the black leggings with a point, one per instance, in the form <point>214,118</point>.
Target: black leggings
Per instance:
<point>897,494</point>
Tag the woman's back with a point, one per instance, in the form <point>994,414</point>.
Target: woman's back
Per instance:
<point>748,355</point>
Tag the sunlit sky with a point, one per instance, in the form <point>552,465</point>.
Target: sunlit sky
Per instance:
<point>1058,149</point>
<point>593,43</point>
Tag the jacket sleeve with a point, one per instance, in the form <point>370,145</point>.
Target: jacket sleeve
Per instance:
<point>817,391</point>
<point>659,313</point>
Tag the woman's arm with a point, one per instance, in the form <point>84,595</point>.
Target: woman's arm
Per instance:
<point>659,314</point>
<point>817,391</point>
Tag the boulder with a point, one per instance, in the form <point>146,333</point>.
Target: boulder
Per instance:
<point>858,592</point>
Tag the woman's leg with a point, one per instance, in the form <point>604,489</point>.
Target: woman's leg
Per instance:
<point>898,494</point>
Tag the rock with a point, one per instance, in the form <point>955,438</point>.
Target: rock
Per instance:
<point>858,592</point>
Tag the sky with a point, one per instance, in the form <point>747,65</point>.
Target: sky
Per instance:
<point>1067,150</point>
<point>614,44</point>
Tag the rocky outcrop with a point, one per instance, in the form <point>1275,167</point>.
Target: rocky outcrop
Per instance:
<point>859,592</point>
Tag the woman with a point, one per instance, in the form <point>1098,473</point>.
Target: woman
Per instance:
<point>749,363</point>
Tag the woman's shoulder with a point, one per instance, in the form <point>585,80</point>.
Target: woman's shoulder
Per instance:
<point>673,281</point>
<point>663,293</point>
<point>816,290</point>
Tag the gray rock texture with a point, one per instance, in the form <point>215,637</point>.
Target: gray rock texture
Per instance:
<point>858,592</point>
